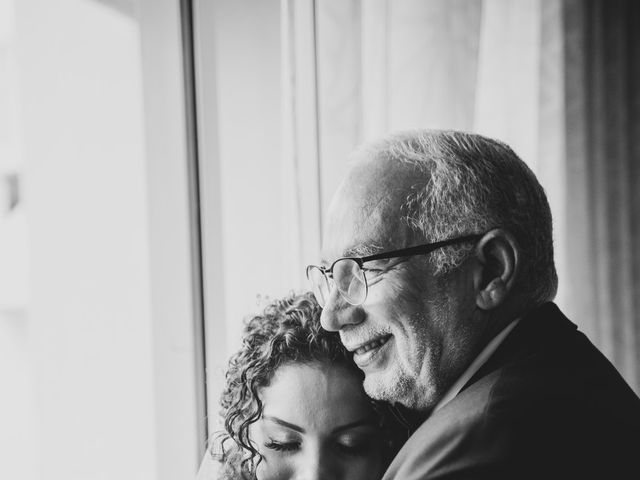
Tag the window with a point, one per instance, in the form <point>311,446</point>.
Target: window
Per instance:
<point>97,330</point>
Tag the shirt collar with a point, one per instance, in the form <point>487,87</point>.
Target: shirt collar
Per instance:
<point>480,360</point>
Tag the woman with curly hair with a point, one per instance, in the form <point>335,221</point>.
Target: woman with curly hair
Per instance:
<point>293,405</point>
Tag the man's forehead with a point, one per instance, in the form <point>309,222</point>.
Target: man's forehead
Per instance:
<point>367,173</point>
<point>357,249</point>
<point>361,226</point>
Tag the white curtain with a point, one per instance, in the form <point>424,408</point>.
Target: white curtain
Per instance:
<point>287,89</point>
<point>557,80</point>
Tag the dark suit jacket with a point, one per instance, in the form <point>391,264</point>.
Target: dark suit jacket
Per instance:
<point>547,404</point>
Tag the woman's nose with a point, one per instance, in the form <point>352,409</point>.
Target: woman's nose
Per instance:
<point>319,465</point>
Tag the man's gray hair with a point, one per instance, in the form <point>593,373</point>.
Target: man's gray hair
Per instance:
<point>467,183</point>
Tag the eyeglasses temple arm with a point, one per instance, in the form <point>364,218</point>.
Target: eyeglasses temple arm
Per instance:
<point>417,250</point>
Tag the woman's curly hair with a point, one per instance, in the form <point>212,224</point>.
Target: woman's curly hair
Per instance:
<point>288,331</point>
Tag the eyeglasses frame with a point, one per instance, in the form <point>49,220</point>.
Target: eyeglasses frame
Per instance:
<point>401,253</point>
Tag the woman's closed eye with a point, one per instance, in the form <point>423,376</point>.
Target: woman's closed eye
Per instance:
<point>282,446</point>
<point>354,445</point>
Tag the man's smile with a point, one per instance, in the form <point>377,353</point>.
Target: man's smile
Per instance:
<point>377,342</point>
<point>365,354</point>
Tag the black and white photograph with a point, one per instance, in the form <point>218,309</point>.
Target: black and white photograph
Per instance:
<point>319,239</point>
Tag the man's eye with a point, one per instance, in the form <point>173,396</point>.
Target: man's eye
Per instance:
<point>282,446</point>
<point>372,271</point>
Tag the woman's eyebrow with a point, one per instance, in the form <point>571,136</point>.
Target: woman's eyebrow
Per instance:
<point>369,421</point>
<point>279,421</point>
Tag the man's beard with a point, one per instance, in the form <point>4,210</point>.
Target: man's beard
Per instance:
<point>415,391</point>
<point>414,377</point>
<point>390,387</point>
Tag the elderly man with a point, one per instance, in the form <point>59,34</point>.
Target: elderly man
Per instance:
<point>438,273</point>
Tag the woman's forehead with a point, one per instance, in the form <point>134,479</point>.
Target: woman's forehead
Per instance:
<point>315,397</point>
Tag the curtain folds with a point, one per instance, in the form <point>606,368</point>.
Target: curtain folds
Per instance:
<point>558,80</point>
<point>603,86</point>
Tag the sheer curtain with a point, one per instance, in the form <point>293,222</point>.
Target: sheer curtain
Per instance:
<point>556,79</point>
<point>602,125</point>
<point>287,88</point>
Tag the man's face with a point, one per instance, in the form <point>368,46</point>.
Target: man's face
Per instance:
<point>413,335</point>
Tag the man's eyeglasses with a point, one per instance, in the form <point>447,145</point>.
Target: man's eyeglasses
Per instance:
<point>349,274</point>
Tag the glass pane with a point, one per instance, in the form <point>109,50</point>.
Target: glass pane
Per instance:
<point>87,362</point>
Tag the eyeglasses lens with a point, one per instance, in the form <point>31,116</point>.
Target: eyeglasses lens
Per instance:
<point>319,284</point>
<point>346,275</point>
<point>350,281</point>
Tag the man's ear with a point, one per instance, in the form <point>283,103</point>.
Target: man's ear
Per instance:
<point>498,256</point>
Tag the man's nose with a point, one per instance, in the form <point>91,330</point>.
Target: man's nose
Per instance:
<point>338,313</point>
